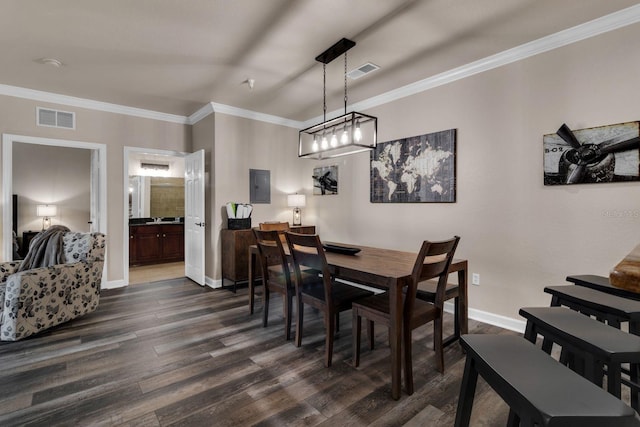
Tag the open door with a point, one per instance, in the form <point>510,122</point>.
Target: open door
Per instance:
<point>194,217</point>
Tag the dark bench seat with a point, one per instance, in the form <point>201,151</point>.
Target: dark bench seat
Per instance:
<point>594,343</point>
<point>602,284</point>
<point>604,306</point>
<point>537,388</point>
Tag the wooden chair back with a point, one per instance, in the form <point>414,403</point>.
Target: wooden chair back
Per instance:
<point>307,253</point>
<point>271,253</point>
<point>433,260</point>
<point>271,226</point>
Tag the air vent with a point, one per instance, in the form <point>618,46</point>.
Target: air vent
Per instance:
<point>56,119</point>
<point>362,70</point>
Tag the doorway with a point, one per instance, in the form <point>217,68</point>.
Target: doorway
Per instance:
<point>96,157</point>
<point>154,215</point>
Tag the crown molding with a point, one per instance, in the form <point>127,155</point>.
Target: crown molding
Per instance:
<point>213,107</point>
<point>613,21</point>
<point>37,95</point>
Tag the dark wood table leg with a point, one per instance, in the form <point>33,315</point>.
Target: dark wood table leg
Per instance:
<point>395,338</point>
<point>463,308</point>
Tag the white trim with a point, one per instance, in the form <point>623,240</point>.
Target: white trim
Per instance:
<point>7,180</point>
<point>604,24</point>
<point>90,104</point>
<point>213,107</point>
<point>516,325</point>
<point>114,284</point>
<point>215,284</point>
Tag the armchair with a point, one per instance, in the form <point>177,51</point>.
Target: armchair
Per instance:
<point>37,299</point>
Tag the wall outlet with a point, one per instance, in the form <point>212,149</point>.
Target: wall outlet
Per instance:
<point>475,279</point>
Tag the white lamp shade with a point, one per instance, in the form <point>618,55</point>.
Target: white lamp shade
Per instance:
<point>296,200</point>
<point>46,210</point>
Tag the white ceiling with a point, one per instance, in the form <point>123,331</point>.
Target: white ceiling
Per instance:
<point>176,56</point>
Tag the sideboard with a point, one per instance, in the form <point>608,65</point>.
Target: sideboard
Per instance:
<point>235,249</point>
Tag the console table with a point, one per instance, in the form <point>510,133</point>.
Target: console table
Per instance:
<point>235,248</point>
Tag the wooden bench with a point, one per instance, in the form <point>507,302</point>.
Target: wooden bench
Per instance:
<point>605,307</point>
<point>602,284</point>
<point>594,345</point>
<point>539,390</point>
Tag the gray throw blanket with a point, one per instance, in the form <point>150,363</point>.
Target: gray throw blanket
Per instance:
<point>46,249</point>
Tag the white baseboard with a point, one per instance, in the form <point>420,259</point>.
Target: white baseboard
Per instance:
<point>113,284</point>
<point>515,325</point>
<point>215,284</point>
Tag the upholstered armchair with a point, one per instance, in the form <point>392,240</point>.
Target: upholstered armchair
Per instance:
<point>37,299</point>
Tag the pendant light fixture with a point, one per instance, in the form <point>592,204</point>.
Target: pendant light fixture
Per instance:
<point>350,133</point>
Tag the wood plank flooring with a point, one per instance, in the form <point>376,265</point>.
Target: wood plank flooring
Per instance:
<point>155,272</point>
<point>172,353</point>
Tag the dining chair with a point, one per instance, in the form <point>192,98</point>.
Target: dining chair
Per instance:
<point>319,291</point>
<point>274,226</point>
<point>433,261</point>
<point>427,292</point>
<point>276,275</point>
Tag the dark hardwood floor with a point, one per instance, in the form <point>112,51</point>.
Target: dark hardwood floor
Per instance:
<point>173,353</point>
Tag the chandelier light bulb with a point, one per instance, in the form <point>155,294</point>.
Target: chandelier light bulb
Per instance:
<point>324,144</point>
<point>345,136</point>
<point>357,133</point>
<point>314,146</point>
<point>334,139</point>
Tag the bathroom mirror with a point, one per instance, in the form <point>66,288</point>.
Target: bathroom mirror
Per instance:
<point>155,197</point>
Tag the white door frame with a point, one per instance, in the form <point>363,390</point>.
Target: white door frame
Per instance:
<point>7,181</point>
<point>125,196</point>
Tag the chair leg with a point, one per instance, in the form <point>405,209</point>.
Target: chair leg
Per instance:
<point>356,328</point>
<point>370,333</point>
<point>288,308</point>
<point>330,328</point>
<point>299,313</point>
<point>408,360</point>
<point>265,312</point>
<point>438,344</point>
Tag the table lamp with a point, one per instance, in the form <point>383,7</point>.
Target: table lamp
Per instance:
<point>46,212</point>
<point>297,201</point>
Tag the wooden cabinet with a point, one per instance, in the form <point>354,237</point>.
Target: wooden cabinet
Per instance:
<point>235,251</point>
<point>156,243</point>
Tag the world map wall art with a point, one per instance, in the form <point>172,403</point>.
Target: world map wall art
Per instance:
<point>586,156</point>
<point>420,169</point>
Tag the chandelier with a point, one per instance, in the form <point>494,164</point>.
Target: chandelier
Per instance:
<point>350,133</point>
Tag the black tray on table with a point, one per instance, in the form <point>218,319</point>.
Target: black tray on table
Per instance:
<point>346,250</point>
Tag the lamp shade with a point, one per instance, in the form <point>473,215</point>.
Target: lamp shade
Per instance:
<point>46,210</point>
<point>296,200</point>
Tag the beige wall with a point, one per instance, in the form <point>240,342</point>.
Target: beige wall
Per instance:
<point>517,234</point>
<point>17,116</point>
<point>243,144</point>
<point>52,175</point>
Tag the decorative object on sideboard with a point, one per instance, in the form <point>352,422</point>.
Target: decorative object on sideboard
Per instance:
<point>297,201</point>
<point>46,212</point>
<point>350,133</point>
<point>325,180</point>
<point>600,154</point>
<point>239,216</point>
<point>420,169</point>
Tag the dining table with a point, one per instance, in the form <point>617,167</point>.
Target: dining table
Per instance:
<point>387,269</point>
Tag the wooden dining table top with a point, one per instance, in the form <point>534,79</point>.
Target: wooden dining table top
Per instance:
<point>379,262</point>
